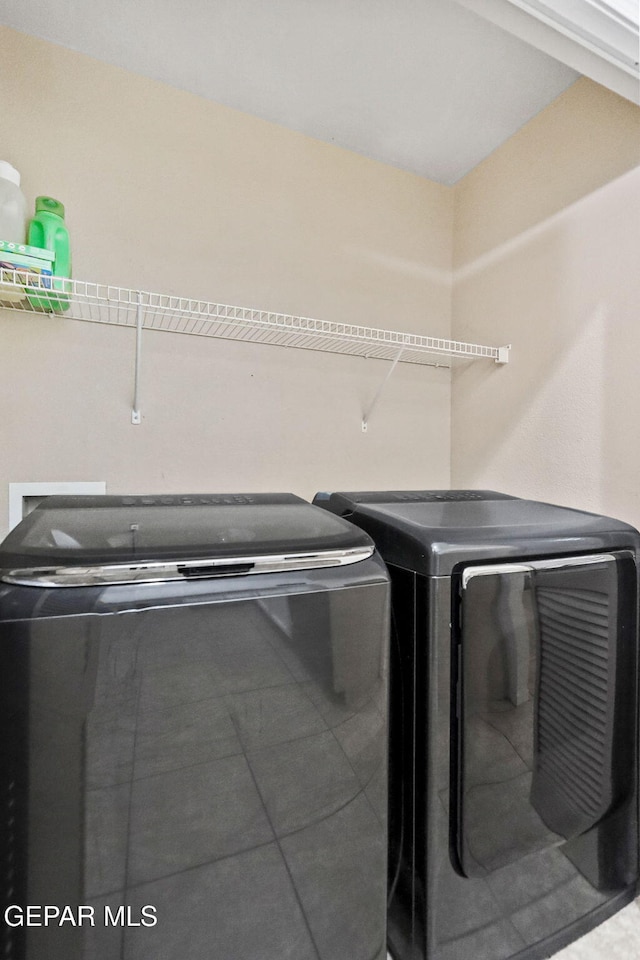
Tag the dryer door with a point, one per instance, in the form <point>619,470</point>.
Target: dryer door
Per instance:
<point>538,687</point>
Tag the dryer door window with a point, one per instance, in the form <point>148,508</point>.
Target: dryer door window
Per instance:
<point>536,692</point>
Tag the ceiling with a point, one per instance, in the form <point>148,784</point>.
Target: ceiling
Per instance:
<point>425,85</point>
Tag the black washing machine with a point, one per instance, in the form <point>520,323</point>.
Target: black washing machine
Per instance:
<point>513,759</point>
<point>193,732</point>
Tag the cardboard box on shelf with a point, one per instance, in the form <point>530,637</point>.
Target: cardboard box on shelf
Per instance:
<point>15,269</point>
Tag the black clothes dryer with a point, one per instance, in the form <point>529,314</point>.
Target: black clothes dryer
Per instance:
<point>193,732</point>
<point>513,812</point>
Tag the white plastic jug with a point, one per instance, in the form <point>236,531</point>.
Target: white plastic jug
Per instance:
<point>13,205</point>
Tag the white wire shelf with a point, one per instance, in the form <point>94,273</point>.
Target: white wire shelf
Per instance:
<point>100,303</point>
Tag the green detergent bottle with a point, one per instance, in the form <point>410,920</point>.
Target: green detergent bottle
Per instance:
<point>47,230</point>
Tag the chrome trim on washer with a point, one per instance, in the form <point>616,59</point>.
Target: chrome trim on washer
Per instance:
<point>498,569</point>
<point>155,571</point>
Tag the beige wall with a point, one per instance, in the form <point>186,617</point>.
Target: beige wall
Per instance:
<point>170,193</point>
<point>546,257</point>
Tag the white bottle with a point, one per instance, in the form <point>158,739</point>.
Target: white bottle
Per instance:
<point>13,205</point>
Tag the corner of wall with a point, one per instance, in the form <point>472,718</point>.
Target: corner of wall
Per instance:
<point>546,235</point>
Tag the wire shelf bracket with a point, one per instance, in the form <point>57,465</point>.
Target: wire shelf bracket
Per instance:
<point>142,310</point>
<point>135,412</point>
<point>370,409</point>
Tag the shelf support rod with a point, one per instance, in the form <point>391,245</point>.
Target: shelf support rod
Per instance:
<point>367,414</point>
<point>135,413</point>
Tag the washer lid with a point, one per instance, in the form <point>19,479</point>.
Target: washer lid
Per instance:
<point>87,531</point>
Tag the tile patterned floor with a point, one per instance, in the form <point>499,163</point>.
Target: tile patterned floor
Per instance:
<point>616,939</point>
